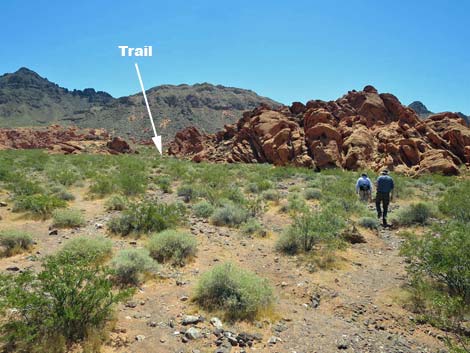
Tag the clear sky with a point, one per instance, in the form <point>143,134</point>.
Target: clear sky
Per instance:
<point>287,50</point>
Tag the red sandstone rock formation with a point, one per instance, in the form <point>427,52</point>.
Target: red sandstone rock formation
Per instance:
<point>359,130</point>
<point>63,140</point>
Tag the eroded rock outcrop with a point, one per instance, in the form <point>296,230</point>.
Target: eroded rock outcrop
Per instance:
<point>69,140</point>
<point>362,129</point>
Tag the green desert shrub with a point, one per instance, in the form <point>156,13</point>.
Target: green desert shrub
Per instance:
<point>116,203</point>
<point>239,294</point>
<point>455,202</point>
<point>253,227</point>
<point>444,259</point>
<point>234,194</point>
<point>15,241</point>
<point>295,203</point>
<point>171,246</point>
<point>203,209</point>
<point>65,195</point>
<point>67,218</point>
<point>187,192</point>
<point>259,186</point>
<point>312,194</point>
<point>309,229</point>
<point>131,181</point>
<point>271,195</point>
<point>62,304</point>
<point>102,185</point>
<point>254,206</point>
<point>38,204</point>
<point>229,215</point>
<point>64,174</point>
<point>439,270</point>
<point>417,213</point>
<point>96,249</point>
<point>164,183</point>
<point>369,222</point>
<point>22,186</point>
<point>130,265</point>
<point>146,217</point>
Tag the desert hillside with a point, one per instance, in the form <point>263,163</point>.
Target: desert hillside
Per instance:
<point>29,100</point>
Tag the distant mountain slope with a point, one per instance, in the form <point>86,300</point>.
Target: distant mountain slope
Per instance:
<point>423,112</point>
<point>27,99</point>
<point>420,109</point>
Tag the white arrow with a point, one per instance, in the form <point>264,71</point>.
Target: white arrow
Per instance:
<point>157,140</point>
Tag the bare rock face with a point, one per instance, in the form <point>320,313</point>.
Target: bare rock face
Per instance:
<point>63,140</point>
<point>360,130</point>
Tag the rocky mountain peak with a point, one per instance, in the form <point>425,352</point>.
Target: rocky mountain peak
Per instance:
<point>420,108</point>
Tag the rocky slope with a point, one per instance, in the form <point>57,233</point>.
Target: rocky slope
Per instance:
<point>360,130</point>
<point>423,112</point>
<point>63,140</point>
<point>27,99</point>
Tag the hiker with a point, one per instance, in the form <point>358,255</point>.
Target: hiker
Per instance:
<point>364,188</point>
<point>384,194</point>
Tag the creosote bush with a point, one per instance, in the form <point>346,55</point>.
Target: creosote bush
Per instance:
<point>146,217</point>
<point>455,202</point>
<point>229,215</point>
<point>96,249</point>
<point>239,294</point>
<point>131,264</point>
<point>203,209</point>
<point>309,229</point>
<point>116,203</point>
<point>21,186</point>
<point>444,259</point>
<point>102,185</point>
<point>61,305</point>
<point>440,279</point>
<point>67,218</point>
<point>172,246</point>
<point>38,205</point>
<point>15,241</point>
<point>295,203</point>
<point>417,213</point>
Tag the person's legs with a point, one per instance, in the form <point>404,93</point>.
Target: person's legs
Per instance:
<point>363,195</point>
<point>378,199</point>
<point>386,202</point>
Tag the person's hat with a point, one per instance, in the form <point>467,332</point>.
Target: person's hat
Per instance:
<point>385,171</point>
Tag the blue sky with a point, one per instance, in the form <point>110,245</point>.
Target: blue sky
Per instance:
<point>287,50</point>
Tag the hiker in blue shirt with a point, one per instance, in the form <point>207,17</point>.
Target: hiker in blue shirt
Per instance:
<point>385,187</point>
<point>364,188</point>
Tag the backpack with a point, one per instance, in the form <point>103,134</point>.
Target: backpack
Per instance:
<point>364,185</point>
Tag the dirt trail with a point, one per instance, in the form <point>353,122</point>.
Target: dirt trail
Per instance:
<point>350,309</point>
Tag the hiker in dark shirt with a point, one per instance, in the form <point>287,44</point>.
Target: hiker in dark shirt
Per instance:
<point>384,194</point>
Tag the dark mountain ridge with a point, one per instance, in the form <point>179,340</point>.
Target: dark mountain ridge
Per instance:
<point>27,99</point>
<point>423,112</point>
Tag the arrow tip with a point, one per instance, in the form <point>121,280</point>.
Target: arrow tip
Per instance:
<point>157,140</point>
